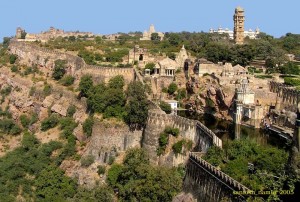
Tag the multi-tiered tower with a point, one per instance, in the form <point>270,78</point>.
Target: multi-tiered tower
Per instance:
<point>239,20</point>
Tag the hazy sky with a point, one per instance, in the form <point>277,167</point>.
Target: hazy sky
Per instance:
<point>275,17</point>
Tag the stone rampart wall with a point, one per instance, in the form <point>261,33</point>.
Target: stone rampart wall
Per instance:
<point>290,97</point>
<point>103,74</point>
<point>108,140</point>
<point>207,183</point>
<point>189,129</point>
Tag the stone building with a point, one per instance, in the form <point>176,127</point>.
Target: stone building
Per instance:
<point>182,57</point>
<point>247,110</point>
<point>138,54</point>
<point>239,21</point>
<point>147,34</point>
<point>52,33</point>
<point>19,32</point>
<point>165,67</point>
<point>247,33</point>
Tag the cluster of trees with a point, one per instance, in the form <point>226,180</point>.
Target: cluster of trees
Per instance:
<point>137,180</point>
<point>269,164</point>
<point>33,169</point>
<point>112,101</point>
<point>59,73</point>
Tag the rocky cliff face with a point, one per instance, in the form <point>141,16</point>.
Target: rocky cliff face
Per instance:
<point>208,96</point>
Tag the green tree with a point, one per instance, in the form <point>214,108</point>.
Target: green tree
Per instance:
<point>137,180</point>
<point>137,107</point>
<point>155,37</point>
<point>53,185</point>
<point>172,88</point>
<point>85,84</point>
<point>88,126</point>
<point>71,111</point>
<point>49,122</point>
<point>116,82</point>
<point>59,69</point>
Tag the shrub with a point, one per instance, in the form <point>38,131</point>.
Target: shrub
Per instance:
<point>49,122</point>
<point>172,88</point>
<point>47,90</point>
<point>172,131</point>
<point>33,118</point>
<point>59,69</point>
<point>8,126</point>
<point>87,160</point>
<point>177,147</point>
<point>292,81</point>
<point>14,68</point>
<point>6,91</point>
<point>101,170</point>
<point>71,110</point>
<point>111,160</point>
<point>88,126</point>
<point>24,120</point>
<point>12,59</point>
<point>67,80</point>
<point>165,107</point>
<point>162,142</point>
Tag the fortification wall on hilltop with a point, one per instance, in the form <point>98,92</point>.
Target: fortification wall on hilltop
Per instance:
<point>103,74</point>
<point>30,54</point>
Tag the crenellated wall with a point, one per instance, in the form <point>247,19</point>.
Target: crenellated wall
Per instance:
<point>208,184</point>
<point>189,129</point>
<point>290,97</point>
<point>103,74</point>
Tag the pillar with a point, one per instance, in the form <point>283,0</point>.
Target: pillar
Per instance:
<point>238,113</point>
<point>237,131</point>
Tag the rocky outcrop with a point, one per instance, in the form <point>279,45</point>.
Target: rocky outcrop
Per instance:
<point>208,96</point>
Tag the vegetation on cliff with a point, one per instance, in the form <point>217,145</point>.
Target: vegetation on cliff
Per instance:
<point>112,101</point>
<point>137,180</point>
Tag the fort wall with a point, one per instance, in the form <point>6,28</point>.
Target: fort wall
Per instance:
<point>207,183</point>
<point>290,97</point>
<point>107,141</point>
<point>30,54</point>
<point>189,129</point>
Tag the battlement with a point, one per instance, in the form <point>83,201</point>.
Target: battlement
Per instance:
<point>157,118</point>
<point>229,181</point>
<point>289,94</point>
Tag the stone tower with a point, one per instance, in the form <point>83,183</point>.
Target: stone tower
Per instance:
<point>151,29</point>
<point>19,33</point>
<point>239,20</point>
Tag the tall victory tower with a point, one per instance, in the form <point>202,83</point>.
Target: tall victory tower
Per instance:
<point>239,20</point>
